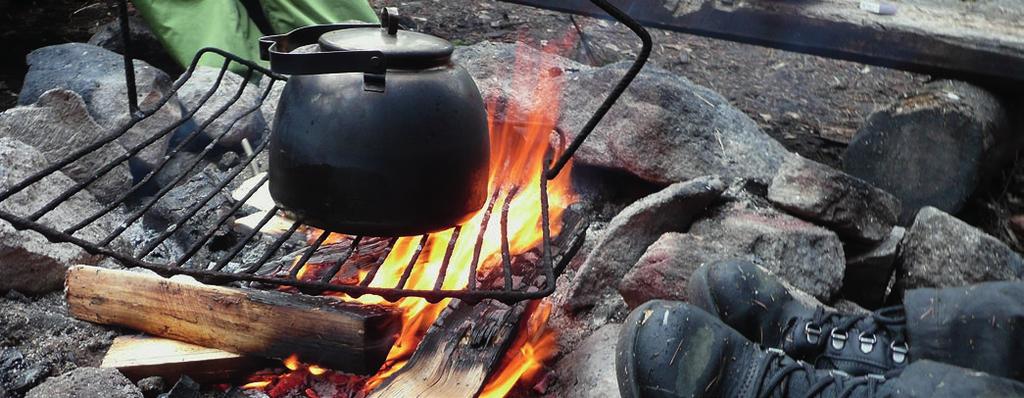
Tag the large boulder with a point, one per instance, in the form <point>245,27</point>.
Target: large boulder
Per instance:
<point>848,205</point>
<point>933,148</point>
<point>97,75</point>
<point>633,230</point>
<point>665,128</point>
<point>242,119</point>
<point>940,250</point>
<point>59,124</point>
<point>87,382</point>
<point>508,73</point>
<point>804,255</point>
<point>29,263</point>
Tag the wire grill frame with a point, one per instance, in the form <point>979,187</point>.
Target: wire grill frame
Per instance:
<point>215,273</point>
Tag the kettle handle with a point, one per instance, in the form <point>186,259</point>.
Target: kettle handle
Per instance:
<point>620,87</point>
<point>278,49</point>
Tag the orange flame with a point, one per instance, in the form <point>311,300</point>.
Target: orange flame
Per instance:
<point>518,149</point>
<point>533,346</point>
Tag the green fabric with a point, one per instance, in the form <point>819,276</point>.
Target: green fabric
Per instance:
<point>287,15</point>
<point>186,26</point>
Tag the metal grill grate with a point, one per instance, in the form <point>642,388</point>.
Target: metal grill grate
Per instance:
<point>214,272</point>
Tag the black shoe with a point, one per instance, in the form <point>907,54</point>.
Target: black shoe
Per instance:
<point>758,305</point>
<point>672,349</point>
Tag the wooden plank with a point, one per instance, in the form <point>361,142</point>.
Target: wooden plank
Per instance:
<point>458,352</point>
<point>142,356</point>
<point>980,41</point>
<point>323,330</point>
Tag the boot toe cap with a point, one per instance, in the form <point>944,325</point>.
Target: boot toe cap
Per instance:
<point>672,349</point>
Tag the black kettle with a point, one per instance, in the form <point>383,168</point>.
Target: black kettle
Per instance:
<point>377,132</point>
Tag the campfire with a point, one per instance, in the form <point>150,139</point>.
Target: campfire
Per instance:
<point>442,311</point>
<point>385,209</point>
<point>458,311</point>
<point>518,153</point>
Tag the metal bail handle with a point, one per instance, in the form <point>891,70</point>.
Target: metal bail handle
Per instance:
<point>280,51</point>
<point>620,87</point>
<point>389,20</point>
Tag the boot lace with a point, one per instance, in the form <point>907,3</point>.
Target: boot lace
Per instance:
<point>818,381</point>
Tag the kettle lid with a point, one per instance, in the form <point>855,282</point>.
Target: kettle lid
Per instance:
<point>402,49</point>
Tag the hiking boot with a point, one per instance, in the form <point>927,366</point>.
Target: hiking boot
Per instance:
<point>673,349</point>
<point>758,305</point>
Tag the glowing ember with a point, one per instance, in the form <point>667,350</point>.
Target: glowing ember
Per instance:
<point>517,153</point>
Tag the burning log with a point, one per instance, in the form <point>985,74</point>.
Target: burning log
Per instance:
<point>467,343</point>
<point>458,352</point>
<point>352,338</point>
<point>138,357</point>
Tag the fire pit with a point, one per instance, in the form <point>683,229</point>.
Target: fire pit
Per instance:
<point>507,253</point>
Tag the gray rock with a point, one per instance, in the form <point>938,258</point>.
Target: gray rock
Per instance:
<point>589,370</point>
<point>28,261</point>
<point>635,228</point>
<point>933,148</point>
<point>869,271</point>
<point>146,46</point>
<point>180,165</point>
<point>177,203</point>
<point>165,122</point>
<point>59,124</point>
<point>87,382</point>
<point>30,377</point>
<point>10,357</point>
<point>665,268</point>
<point>806,256</point>
<point>498,69</point>
<point>574,327</point>
<point>98,76</point>
<point>151,386</point>
<point>941,251</point>
<point>843,203</point>
<point>243,118</point>
<point>849,307</point>
<point>666,129</point>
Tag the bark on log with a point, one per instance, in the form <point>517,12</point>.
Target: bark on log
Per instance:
<point>346,337</point>
<point>138,357</point>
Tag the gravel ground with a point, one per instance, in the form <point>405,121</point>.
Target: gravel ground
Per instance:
<point>46,337</point>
